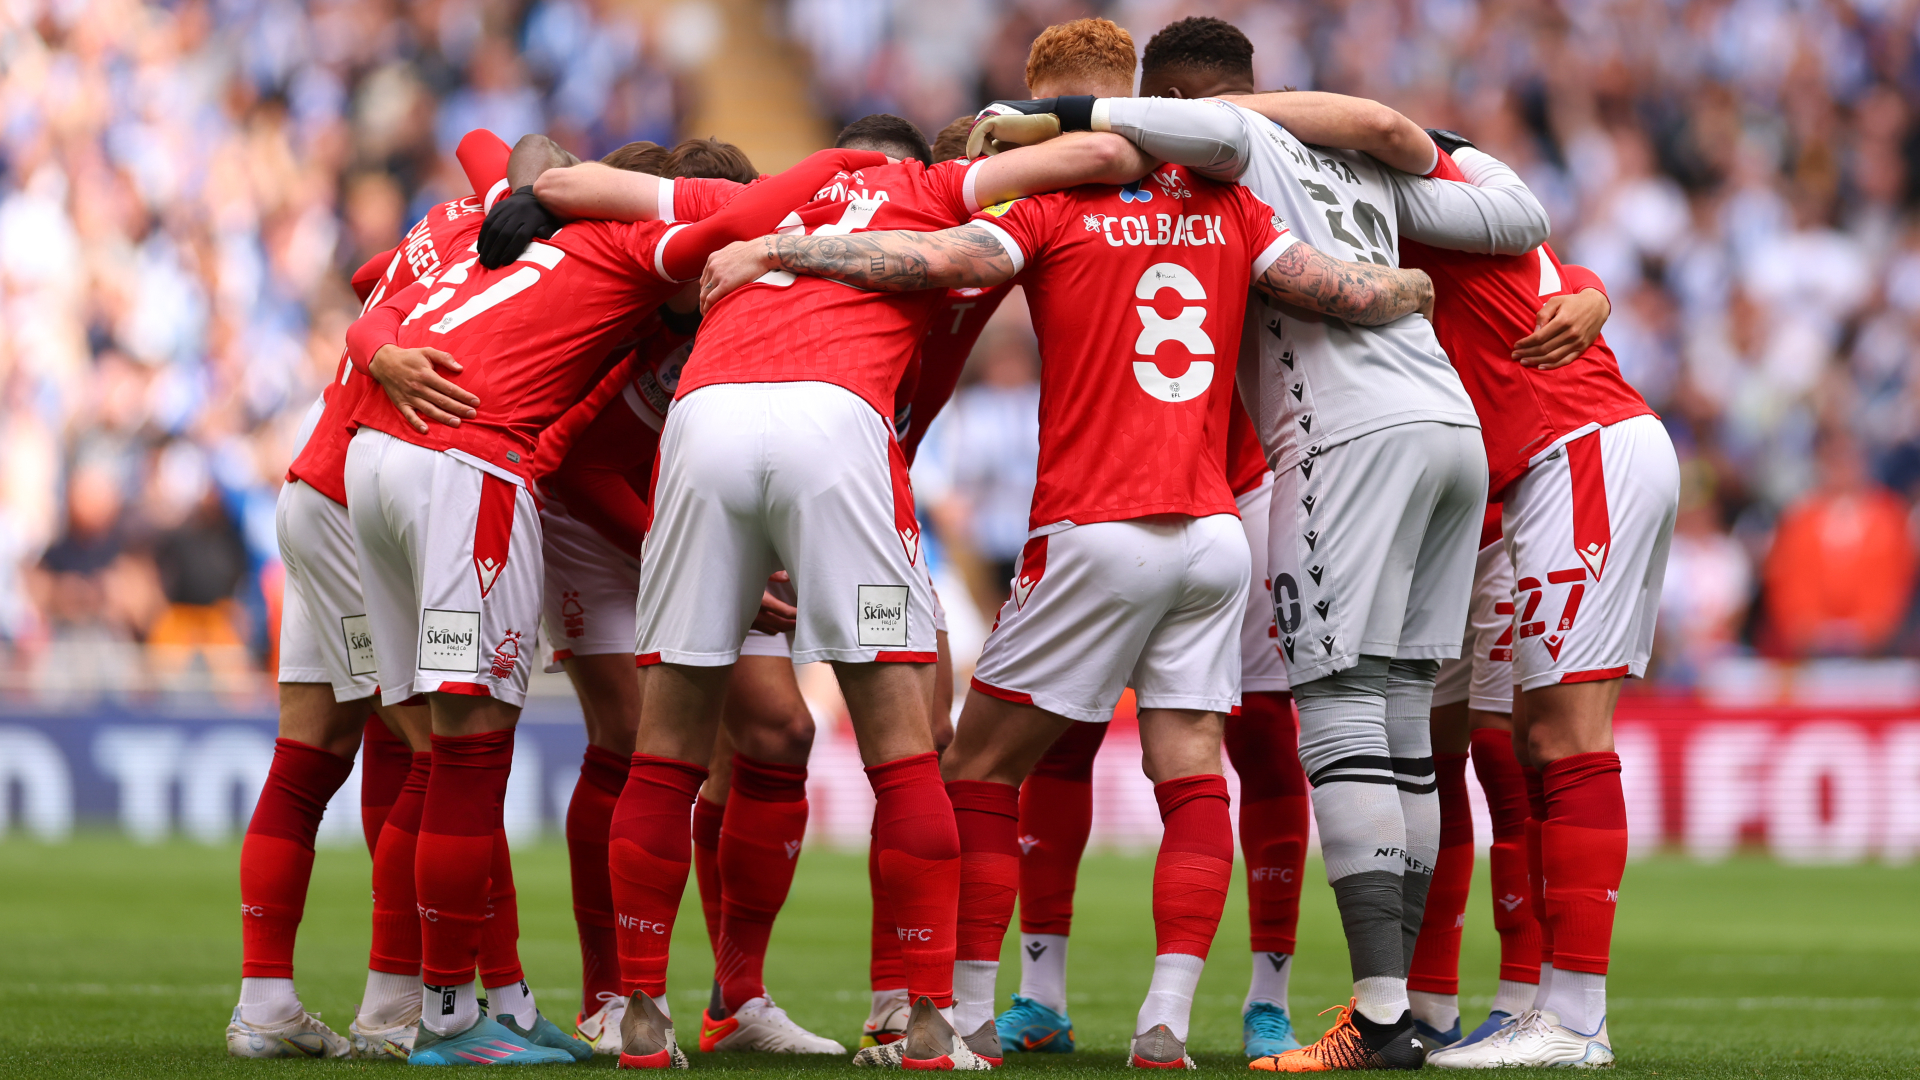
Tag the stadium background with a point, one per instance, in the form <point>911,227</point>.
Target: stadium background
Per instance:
<point>184,186</point>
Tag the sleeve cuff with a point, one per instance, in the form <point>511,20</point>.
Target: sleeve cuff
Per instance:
<point>1266,259</point>
<point>660,254</point>
<point>664,201</point>
<point>967,192</point>
<point>1006,241</point>
<point>498,191</point>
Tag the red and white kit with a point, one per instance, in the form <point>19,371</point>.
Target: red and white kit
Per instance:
<point>1261,667</point>
<point>1135,571</point>
<point>780,453</point>
<point>325,636</point>
<point>1587,475</point>
<point>1482,676</point>
<point>565,304</point>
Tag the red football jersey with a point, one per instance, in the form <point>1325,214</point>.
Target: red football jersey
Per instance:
<point>1246,460</point>
<point>695,198</point>
<point>1485,303</point>
<point>783,328</point>
<point>1126,285</point>
<point>563,306</point>
<point>448,228</point>
<point>933,374</point>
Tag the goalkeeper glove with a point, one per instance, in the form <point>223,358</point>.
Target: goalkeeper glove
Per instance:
<point>511,225</point>
<point>1003,125</point>
<point>1450,141</point>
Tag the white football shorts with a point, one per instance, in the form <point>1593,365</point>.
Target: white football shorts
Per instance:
<point>451,568</point>
<point>1153,603</point>
<point>1482,676</point>
<point>800,476</point>
<point>591,586</point>
<point>1588,527</point>
<point>760,644</point>
<point>1372,547</point>
<point>1261,668</point>
<point>324,635</point>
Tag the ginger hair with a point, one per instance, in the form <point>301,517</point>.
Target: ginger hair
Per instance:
<point>1080,52</point>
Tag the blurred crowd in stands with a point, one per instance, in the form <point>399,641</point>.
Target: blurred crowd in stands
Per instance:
<point>184,186</point>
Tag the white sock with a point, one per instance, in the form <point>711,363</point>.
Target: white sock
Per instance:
<point>1513,998</point>
<point>884,1002</point>
<point>449,1010</point>
<point>1381,998</point>
<point>1546,986</point>
<point>1270,972</point>
<point>1170,995</point>
<point>268,1002</point>
<point>389,1000</point>
<point>661,1004</point>
<point>973,994</point>
<point>1438,1011</point>
<point>1579,998</point>
<point>515,1000</point>
<point>1043,970</point>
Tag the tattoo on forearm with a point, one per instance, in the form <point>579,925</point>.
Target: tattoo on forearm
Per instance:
<point>898,261</point>
<point>1361,293</point>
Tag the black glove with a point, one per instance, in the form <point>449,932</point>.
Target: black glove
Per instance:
<point>1450,141</point>
<point>1075,110</point>
<point>511,225</point>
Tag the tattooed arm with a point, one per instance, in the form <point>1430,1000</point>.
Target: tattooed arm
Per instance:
<point>965,257</point>
<point>1361,293</point>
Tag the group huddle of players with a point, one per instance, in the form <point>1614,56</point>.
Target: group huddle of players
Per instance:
<point>1335,473</point>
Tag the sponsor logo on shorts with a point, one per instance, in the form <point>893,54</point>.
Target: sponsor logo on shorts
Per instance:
<point>506,655</point>
<point>882,614</point>
<point>449,640</point>
<point>357,634</point>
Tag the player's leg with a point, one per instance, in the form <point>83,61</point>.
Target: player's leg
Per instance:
<point>388,1017</point>
<point>1382,595</point>
<point>323,706</point>
<point>1186,680</point>
<point>1263,743</point>
<point>443,631</point>
<point>1588,529</point>
<point>1056,818</point>
<point>709,814</point>
<point>707,558</point>
<point>771,730</point>
<point>385,760</point>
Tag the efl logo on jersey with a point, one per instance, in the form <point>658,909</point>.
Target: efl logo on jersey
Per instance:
<point>999,209</point>
<point>450,641</point>
<point>358,636</point>
<point>882,612</point>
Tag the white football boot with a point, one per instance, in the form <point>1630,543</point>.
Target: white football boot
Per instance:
<point>602,1027</point>
<point>304,1036</point>
<point>1535,1040</point>
<point>759,1024</point>
<point>888,1020</point>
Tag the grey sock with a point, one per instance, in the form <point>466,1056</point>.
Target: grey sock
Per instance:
<point>1410,744</point>
<point>1370,904</point>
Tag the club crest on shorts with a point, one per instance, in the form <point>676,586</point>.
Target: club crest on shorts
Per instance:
<point>506,655</point>
<point>882,614</point>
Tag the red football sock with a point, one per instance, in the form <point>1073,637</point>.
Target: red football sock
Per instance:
<point>759,847</point>
<point>987,816</point>
<point>1056,817</point>
<point>589,817</point>
<point>396,911</point>
<point>1263,742</point>
<point>1436,954</point>
<point>885,969</point>
<point>1195,865</point>
<point>707,819</point>
<point>276,858</point>
<point>1584,853</point>
<point>454,860</point>
<point>1536,868</point>
<point>649,860</point>
<point>920,865</point>
<point>500,934</point>
<point>385,760</point>
<point>1499,774</point>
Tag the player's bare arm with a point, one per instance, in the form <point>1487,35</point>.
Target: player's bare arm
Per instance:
<point>593,190</point>
<point>963,257</point>
<point>1361,293</point>
<point>1347,123</point>
<point>412,381</point>
<point>1568,325</point>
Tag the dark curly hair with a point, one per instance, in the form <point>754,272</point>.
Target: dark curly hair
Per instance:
<point>1201,42</point>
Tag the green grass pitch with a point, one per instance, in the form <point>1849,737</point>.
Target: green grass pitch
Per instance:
<point>117,960</point>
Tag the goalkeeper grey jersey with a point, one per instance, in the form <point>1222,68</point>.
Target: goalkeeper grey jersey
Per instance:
<point>1310,381</point>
